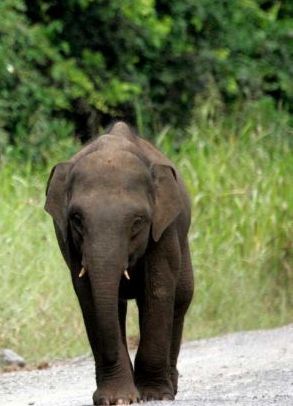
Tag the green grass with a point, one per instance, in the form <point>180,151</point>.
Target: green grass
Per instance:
<point>242,234</point>
<point>38,311</point>
<point>240,179</point>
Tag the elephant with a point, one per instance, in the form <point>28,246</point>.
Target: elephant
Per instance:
<point>121,216</point>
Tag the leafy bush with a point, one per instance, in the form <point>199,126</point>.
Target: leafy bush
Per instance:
<point>151,62</point>
<point>27,96</point>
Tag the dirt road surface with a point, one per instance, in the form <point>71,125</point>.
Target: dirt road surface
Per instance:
<point>247,368</point>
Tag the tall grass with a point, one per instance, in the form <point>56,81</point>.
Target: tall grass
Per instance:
<point>38,311</point>
<point>240,180</point>
<point>242,231</point>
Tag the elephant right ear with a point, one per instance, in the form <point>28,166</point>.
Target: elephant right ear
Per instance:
<point>56,201</point>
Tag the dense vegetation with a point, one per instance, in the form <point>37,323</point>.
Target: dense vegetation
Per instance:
<point>211,82</point>
<point>239,174</point>
<point>70,66</point>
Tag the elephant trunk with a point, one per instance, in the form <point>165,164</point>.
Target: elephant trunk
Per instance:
<point>105,275</point>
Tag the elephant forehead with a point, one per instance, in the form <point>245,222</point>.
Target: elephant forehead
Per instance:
<point>110,169</point>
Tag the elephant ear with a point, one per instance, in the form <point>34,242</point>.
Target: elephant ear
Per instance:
<point>56,200</point>
<point>168,202</point>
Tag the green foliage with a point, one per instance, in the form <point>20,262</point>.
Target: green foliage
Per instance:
<point>27,97</point>
<point>239,174</point>
<point>242,228</point>
<point>151,62</point>
<point>219,70</point>
<point>165,52</point>
<point>36,294</point>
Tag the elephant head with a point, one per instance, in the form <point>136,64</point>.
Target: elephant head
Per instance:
<point>107,202</point>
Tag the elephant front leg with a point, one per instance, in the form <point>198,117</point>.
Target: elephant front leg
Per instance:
<point>122,308</point>
<point>84,295</point>
<point>152,363</point>
<point>114,380</point>
<point>183,297</point>
<point>117,385</point>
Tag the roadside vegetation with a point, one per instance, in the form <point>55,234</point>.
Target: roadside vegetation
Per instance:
<point>238,169</point>
<point>211,84</point>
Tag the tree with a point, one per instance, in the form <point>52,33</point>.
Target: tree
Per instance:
<point>150,62</point>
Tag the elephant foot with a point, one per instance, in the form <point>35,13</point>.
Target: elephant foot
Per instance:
<point>153,392</point>
<point>117,395</point>
<point>174,379</point>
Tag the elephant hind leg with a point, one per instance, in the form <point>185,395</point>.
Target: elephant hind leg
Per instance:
<point>183,297</point>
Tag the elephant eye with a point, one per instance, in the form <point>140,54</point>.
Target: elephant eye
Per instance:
<point>137,225</point>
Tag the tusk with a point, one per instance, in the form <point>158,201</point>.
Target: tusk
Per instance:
<point>82,272</point>
<point>126,274</point>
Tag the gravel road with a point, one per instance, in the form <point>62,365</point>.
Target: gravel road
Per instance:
<point>246,368</point>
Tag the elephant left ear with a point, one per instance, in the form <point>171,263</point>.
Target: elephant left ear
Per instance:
<point>168,201</point>
<point>56,196</point>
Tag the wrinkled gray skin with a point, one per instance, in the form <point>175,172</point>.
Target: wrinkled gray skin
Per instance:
<point>120,204</point>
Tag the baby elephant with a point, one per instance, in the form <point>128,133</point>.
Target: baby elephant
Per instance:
<point>121,217</point>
